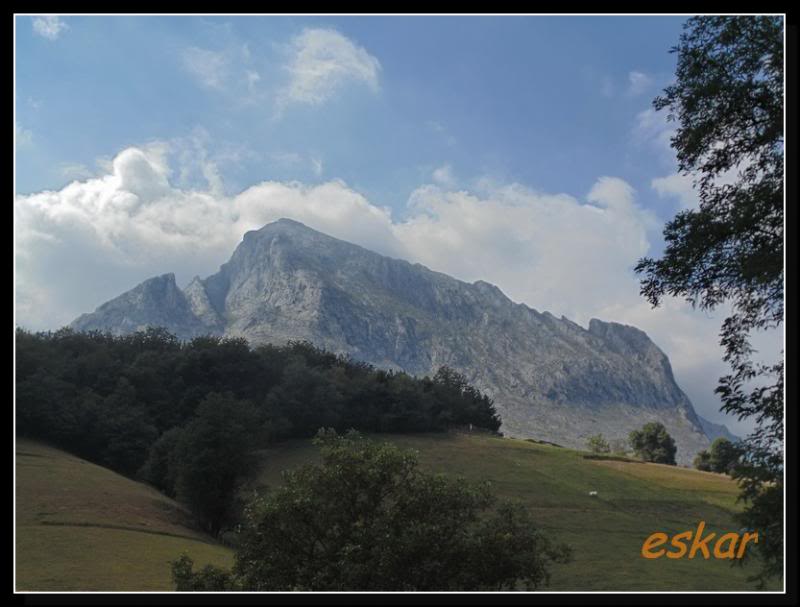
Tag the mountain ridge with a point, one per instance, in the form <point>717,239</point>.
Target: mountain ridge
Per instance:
<point>550,378</point>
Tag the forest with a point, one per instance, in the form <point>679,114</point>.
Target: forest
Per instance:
<point>187,417</point>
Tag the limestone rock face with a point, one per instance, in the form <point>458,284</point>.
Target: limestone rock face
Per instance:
<point>551,379</point>
<point>156,302</point>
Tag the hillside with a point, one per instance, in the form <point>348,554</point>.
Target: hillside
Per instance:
<point>634,500</point>
<point>550,378</point>
<point>80,526</point>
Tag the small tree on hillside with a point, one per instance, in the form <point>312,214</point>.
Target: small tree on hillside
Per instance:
<point>724,455</point>
<point>653,444</point>
<point>702,461</point>
<point>598,444</point>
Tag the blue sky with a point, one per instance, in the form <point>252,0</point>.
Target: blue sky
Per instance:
<point>545,101</point>
<point>519,150</point>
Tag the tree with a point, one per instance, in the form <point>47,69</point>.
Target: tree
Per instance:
<point>724,456</point>
<point>127,429</point>
<point>161,467</point>
<point>728,102</point>
<point>368,519</point>
<point>653,444</point>
<point>702,461</point>
<point>214,452</point>
<point>464,403</point>
<point>598,444</point>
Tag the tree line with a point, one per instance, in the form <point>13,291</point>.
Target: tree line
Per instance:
<point>188,416</point>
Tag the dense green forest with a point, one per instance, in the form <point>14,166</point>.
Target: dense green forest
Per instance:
<point>187,416</point>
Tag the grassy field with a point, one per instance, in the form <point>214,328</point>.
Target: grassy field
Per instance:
<point>607,531</point>
<point>82,527</point>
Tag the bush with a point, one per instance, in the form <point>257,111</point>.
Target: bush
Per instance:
<point>210,578</point>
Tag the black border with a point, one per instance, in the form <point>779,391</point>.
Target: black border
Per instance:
<point>788,597</point>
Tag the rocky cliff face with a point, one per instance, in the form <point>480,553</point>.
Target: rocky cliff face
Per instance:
<point>551,379</point>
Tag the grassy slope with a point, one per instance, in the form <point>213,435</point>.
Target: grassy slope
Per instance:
<point>607,531</point>
<point>82,527</point>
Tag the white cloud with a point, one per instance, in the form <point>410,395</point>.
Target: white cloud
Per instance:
<point>133,218</point>
<point>322,61</point>
<point>88,242</point>
<point>210,68</point>
<point>677,186</point>
<point>227,71</point>
<point>49,26</point>
<point>638,83</point>
<point>652,128</point>
<point>681,186</point>
<point>72,170</point>
<point>444,176</point>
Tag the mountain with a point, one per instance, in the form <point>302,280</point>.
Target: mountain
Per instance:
<point>551,379</point>
<point>714,431</point>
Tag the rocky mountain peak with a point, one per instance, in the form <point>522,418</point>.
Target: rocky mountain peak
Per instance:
<point>550,378</point>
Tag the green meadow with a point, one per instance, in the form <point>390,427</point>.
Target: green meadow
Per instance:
<point>606,532</point>
<point>82,527</point>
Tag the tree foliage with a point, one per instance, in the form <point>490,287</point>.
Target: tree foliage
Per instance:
<point>214,451</point>
<point>728,103</point>
<point>368,519</point>
<point>598,444</point>
<point>653,443</point>
<point>187,415</point>
<point>723,456</point>
<point>208,579</point>
<point>702,461</point>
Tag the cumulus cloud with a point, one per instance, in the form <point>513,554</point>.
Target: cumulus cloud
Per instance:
<point>134,218</point>
<point>90,241</point>
<point>322,61</point>
<point>49,26</point>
